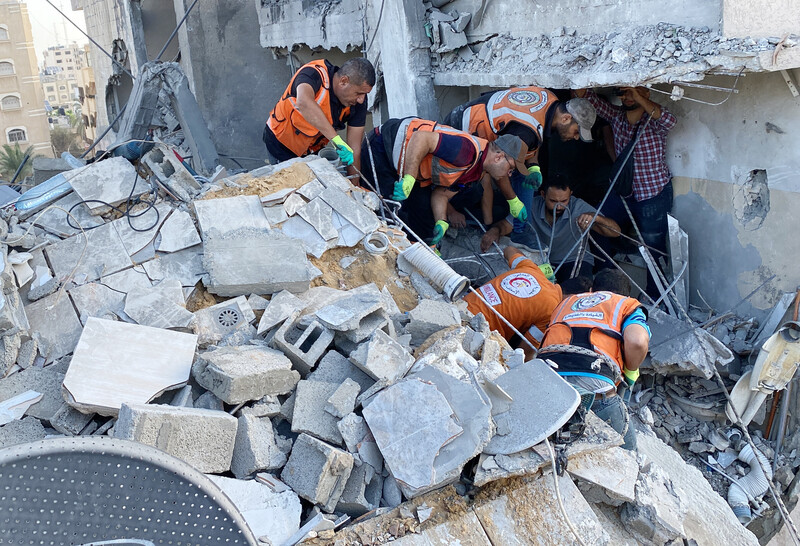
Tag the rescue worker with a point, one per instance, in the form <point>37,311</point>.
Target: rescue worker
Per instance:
<point>320,100</point>
<point>426,164</point>
<point>532,114</point>
<point>523,296</point>
<point>598,339</point>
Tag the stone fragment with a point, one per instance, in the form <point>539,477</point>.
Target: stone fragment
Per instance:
<point>159,306</point>
<point>92,254</point>
<point>106,297</point>
<point>362,492</point>
<point>111,181</point>
<point>343,399</point>
<point>28,429</point>
<point>309,413</point>
<point>213,323</point>
<point>269,406</point>
<point>430,317</point>
<point>255,448</point>
<point>45,380</point>
<point>334,368</point>
<point>614,471</point>
<point>101,378</point>
<point>242,373</point>
<point>209,401</point>
<point>202,438</point>
<point>317,471</point>
<point>27,353</point>
<point>303,345</point>
<point>392,496</point>
<point>54,325</point>
<point>281,307</point>
<point>230,214</point>
<point>382,358</point>
<point>177,232</point>
<point>353,429</point>
<point>9,351</point>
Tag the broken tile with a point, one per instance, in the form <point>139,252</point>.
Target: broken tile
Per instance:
<point>328,175</point>
<point>230,214</point>
<point>277,197</point>
<point>111,181</point>
<point>298,229</point>
<point>159,306</point>
<point>184,265</point>
<point>353,429</point>
<point>138,231</point>
<point>355,213</point>
<point>293,203</point>
<point>101,377</point>
<point>382,358</point>
<point>349,235</point>
<point>310,190</point>
<point>319,215</point>
<point>276,215</point>
<point>12,409</point>
<point>103,254</point>
<point>281,306</point>
<point>54,324</point>
<point>56,220</point>
<point>177,232</point>
<point>45,380</point>
<point>107,295</point>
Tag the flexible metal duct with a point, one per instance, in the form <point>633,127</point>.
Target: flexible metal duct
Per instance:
<point>753,485</point>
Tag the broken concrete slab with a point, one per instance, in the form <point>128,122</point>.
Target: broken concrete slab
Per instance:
<point>353,429</point>
<point>202,438</point>
<point>101,378</point>
<point>184,265</point>
<point>534,414</point>
<point>297,229</point>
<point>271,515</point>
<point>177,232</point>
<point>230,214</point>
<point>309,413</point>
<point>107,296</point>
<point>139,231</point>
<point>111,181</point>
<point>430,317</point>
<point>45,380</point>
<point>612,471</point>
<point>327,174</point>
<point>265,263</point>
<point>335,368</point>
<point>242,373</point>
<point>281,306</point>
<point>382,358</point>
<point>343,399</point>
<point>411,421</point>
<point>362,492</point>
<point>303,345</point>
<point>355,213</point>
<point>317,471</point>
<point>213,323</point>
<point>658,513</point>
<point>55,325</point>
<point>28,429</point>
<point>92,254</point>
<point>255,447</point>
<point>159,306</point>
<point>319,215</point>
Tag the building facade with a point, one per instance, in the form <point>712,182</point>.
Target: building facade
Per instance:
<point>23,119</point>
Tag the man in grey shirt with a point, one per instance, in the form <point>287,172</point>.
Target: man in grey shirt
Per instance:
<point>559,219</point>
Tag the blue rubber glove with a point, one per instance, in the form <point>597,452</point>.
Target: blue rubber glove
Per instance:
<point>403,187</point>
<point>533,180</point>
<point>517,209</point>
<point>345,152</point>
<point>438,232</point>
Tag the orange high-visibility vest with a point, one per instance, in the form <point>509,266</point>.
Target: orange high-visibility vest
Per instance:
<point>600,314</point>
<point>525,105</point>
<point>433,170</point>
<point>291,128</point>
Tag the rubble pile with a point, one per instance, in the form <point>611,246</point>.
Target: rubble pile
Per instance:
<point>213,330</point>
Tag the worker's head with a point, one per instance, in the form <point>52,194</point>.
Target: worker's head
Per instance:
<point>612,280</point>
<point>504,156</point>
<point>628,102</point>
<point>575,285</point>
<point>353,81</point>
<point>556,192</point>
<point>574,119</point>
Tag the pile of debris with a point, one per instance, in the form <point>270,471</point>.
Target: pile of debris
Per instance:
<point>262,332</point>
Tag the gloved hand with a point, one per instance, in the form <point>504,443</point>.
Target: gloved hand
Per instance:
<point>534,178</point>
<point>403,187</point>
<point>630,376</point>
<point>438,232</point>
<point>517,209</point>
<point>547,269</point>
<point>345,152</point>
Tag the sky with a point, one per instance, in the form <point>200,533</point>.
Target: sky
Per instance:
<point>50,28</point>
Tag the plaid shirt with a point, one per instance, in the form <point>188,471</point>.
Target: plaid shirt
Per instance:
<point>650,171</point>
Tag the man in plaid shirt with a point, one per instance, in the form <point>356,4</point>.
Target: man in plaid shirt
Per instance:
<point>652,187</point>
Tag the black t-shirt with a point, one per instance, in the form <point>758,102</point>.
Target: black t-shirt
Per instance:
<point>309,75</point>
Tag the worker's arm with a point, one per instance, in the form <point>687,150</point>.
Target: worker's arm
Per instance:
<point>652,108</point>
<point>487,199</point>
<point>311,111</point>
<point>455,218</point>
<point>602,225</point>
<point>503,227</point>
<point>419,145</point>
<point>354,137</point>
<point>636,341</point>
<point>440,200</point>
<point>604,109</point>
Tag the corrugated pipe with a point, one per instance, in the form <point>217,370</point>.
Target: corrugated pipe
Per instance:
<point>753,485</point>
<point>429,264</point>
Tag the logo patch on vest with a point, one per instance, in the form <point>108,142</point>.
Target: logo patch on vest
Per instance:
<point>587,302</point>
<point>490,295</point>
<point>585,314</point>
<point>521,285</point>
<point>536,101</point>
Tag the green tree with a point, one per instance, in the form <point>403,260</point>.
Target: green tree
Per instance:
<point>64,140</point>
<point>10,159</point>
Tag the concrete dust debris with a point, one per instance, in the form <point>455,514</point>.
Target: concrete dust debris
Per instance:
<point>294,176</point>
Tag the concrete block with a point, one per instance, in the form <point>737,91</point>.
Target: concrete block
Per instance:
<point>287,408</point>
<point>309,413</point>
<point>280,307</point>
<point>265,263</point>
<point>335,368</point>
<point>108,181</point>
<point>343,399</point>
<point>269,406</point>
<point>353,429</point>
<point>349,312</point>
<point>230,214</point>
<point>55,325</point>
<point>67,420</point>
<point>303,345</point>
<point>430,317</point>
<point>27,429</point>
<point>317,471</point>
<point>202,438</point>
<point>28,351</point>
<point>168,169</point>
<point>362,492</point>
<point>209,401</point>
<point>255,448</point>
<point>99,250</point>
<point>43,380</point>
<point>382,358</point>
<point>215,322</point>
<point>242,373</point>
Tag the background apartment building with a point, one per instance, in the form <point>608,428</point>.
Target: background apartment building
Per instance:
<point>23,118</point>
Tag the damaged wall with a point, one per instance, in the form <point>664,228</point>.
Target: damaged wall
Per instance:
<point>737,189</point>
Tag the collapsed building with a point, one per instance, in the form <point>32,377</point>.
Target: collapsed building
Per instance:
<point>303,348</point>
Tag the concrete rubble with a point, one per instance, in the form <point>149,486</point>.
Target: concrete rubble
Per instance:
<point>244,347</point>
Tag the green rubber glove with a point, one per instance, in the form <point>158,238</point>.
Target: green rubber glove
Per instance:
<point>517,209</point>
<point>438,232</point>
<point>533,180</point>
<point>547,269</point>
<point>630,376</point>
<point>345,152</point>
<point>403,187</point>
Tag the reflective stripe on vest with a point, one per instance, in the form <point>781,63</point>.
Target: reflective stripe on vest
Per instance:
<point>499,106</point>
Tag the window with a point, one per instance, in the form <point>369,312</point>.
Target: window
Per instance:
<point>16,135</point>
<point>58,53</point>
<point>51,98</point>
<point>70,68</point>
<point>4,33</point>
<point>64,97</point>
<point>10,102</point>
<point>62,87</point>
<point>6,68</point>
<point>59,61</point>
<point>51,88</point>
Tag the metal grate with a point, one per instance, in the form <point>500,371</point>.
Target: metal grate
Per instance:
<point>229,317</point>
<point>86,490</point>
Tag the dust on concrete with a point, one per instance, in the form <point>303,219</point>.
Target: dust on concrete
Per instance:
<point>200,299</point>
<point>293,176</point>
<point>380,269</point>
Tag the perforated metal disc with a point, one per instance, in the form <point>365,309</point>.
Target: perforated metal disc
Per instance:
<point>82,490</point>
<point>229,317</point>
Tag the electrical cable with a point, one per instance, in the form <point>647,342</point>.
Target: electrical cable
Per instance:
<point>558,493</point>
<point>723,101</point>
